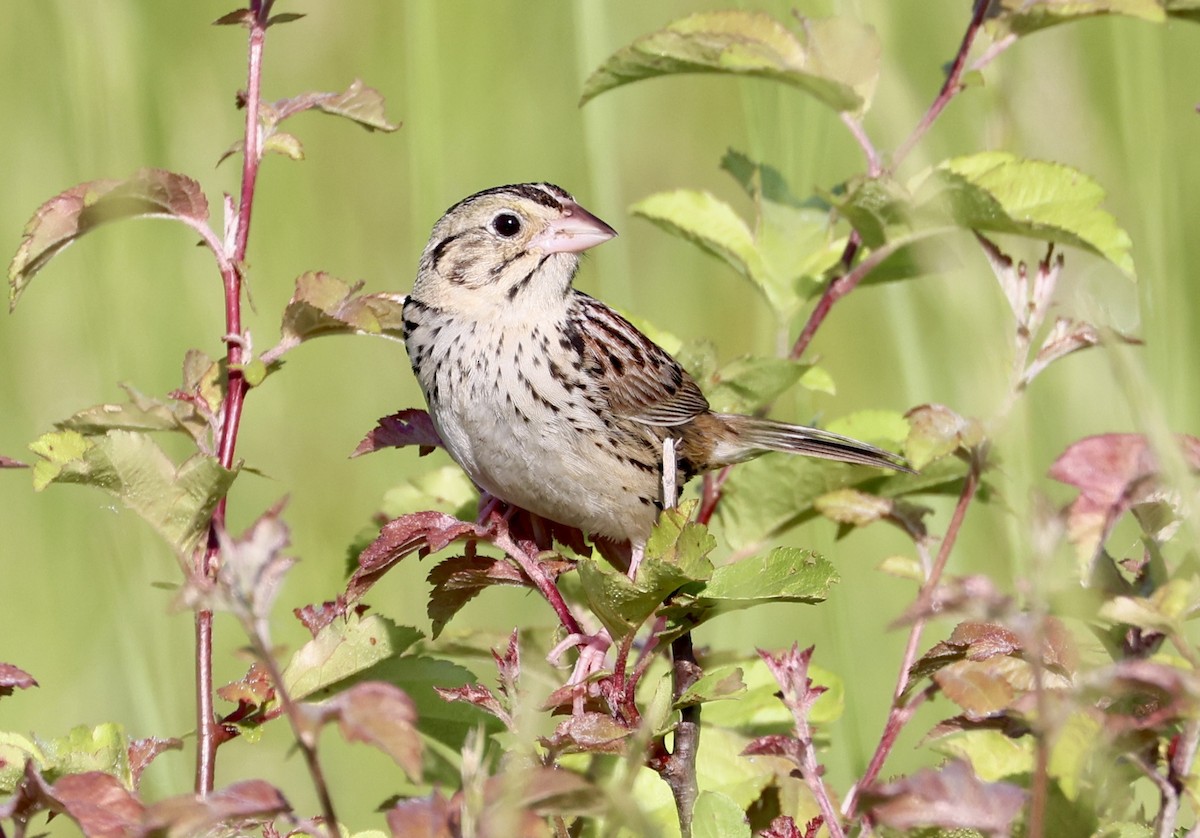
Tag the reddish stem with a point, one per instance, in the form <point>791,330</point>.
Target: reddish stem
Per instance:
<point>842,285</point>
<point>207,732</point>
<point>902,711</point>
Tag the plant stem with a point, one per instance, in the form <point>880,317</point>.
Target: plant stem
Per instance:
<point>950,88</point>
<point>680,769</point>
<point>902,711</point>
<point>207,732</point>
<point>842,285</point>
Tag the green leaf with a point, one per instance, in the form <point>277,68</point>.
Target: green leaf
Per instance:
<point>879,208</point>
<point>681,543</point>
<point>445,489</point>
<point>621,605</point>
<point>325,305</point>
<point>15,751</point>
<point>786,574</point>
<point>281,142</point>
<point>718,816</point>
<point>748,384</point>
<point>835,60</point>
<point>1021,17</point>
<point>177,502</point>
<point>358,103</point>
<point>715,685</point>
<point>102,748</point>
<point>343,649</point>
<point>141,413</point>
<point>998,192</point>
<point>676,554</point>
<point>993,755</point>
<point>1184,9</point>
<point>149,193</point>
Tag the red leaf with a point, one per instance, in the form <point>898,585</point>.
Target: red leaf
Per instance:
<point>8,462</point>
<point>99,804</point>
<point>253,689</point>
<point>790,670</point>
<point>1113,472</point>
<point>952,798</point>
<point>12,677</point>
<point>425,817</point>
<point>187,814</point>
<point>408,427</point>
<point>783,827</point>
<point>382,715</point>
<point>589,732</point>
<point>478,695</point>
<point>424,531</point>
<point>142,752</point>
<point>458,580</point>
<point>148,193</point>
<point>776,745</point>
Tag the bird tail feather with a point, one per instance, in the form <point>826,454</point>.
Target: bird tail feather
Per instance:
<point>754,436</point>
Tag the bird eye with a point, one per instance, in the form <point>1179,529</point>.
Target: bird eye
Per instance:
<point>506,224</point>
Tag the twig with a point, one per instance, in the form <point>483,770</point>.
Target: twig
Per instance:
<point>901,711</point>
<point>950,88</point>
<point>842,285</point>
<point>208,736</point>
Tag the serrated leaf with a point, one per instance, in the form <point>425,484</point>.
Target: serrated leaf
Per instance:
<point>405,427</point>
<point>325,305</point>
<point>189,814</point>
<point>995,191</point>
<point>705,220</point>
<point>993,754</point>
<point>951,797</point>
<point>141,413</point>
<point>681,543</point>
<point>381,715</point>
<point>177,502</point>
<point>879,208</point>
<point>715,685</point>
<point>750,383</point>
<point>104,747</point>
<point>622,605</point>
<point>786,574</point>
<point>343,649</point>
<point>1022,17</point>
<point>358,103</point>
<point>834,60</point>
<point>148,193</point>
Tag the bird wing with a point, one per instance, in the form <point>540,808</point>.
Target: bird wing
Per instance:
<point>641,381</point>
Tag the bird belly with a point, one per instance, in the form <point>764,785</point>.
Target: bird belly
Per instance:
<point>530,438</point>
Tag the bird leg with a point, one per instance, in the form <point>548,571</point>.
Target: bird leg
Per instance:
<point>670,490</point>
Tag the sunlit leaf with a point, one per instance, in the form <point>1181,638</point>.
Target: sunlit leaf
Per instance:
<point>834,60</point>
<point>721,683</point>
<point>149,193</point>
<point>176,501</point>
<point>325,305</point>
<point>358,103</point>
<point>14,678</point>
<point>786,574</point>
<point>343,649</point>
<point>994,191</point>
<point>1021,17</point>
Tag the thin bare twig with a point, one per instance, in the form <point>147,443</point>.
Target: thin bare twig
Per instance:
<point>901,711</point>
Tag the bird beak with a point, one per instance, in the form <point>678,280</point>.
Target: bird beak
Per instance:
<point>576,231</point>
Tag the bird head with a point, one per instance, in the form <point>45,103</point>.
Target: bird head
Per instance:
<point>514,246</point>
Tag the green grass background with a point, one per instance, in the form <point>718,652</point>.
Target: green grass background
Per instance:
<point>488,94</point>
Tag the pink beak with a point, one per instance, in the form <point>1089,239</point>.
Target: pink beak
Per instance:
<point>576,231</point>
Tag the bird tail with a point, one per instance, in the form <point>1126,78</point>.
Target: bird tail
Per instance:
<point>753,436</point>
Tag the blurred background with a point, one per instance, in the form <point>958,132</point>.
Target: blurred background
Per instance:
<point>488,94</point>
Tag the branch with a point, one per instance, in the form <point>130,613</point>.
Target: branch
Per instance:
<point>902,712</point>
<point>208,736</point>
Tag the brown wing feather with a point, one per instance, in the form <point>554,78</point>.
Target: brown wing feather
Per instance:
<point>641,380</point>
